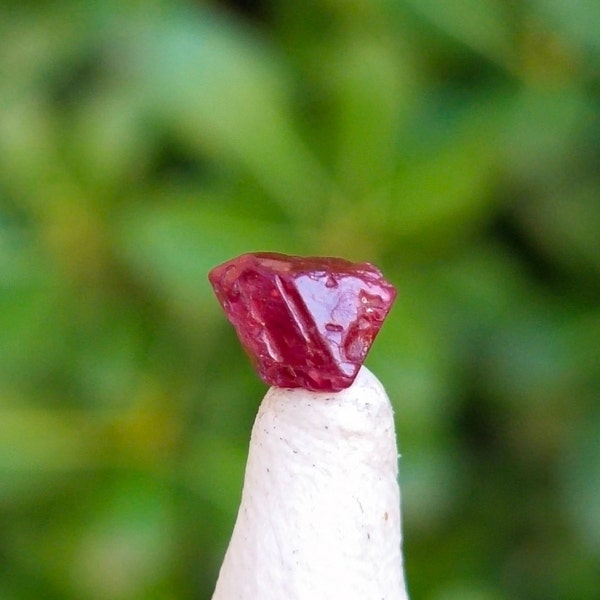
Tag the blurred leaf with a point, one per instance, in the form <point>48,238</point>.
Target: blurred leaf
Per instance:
<point>579,20</point>
<point>415,364</point>
<point>432,485</point>
<point>127,550</point>
<point>580,478</point>
<point>437,197</point>
<point>565,225</point>
<point>23,311</point>
<point>468,590</point>
<point>373,85</point>
<point>477,294</point>
<point>219,89</point>
<point>216,471</point>
<point>28,149</point>
<point>539,360</point>
<point>173,247</point>
<point>479,24</point>
<point>541,130</point>
<point>37,448</point>
<point>116,542</point>
<point>111,143</point>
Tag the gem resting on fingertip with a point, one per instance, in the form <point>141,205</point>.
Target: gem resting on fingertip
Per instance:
<point>305,321</point>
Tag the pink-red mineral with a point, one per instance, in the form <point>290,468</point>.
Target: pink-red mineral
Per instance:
<point>305,321</point>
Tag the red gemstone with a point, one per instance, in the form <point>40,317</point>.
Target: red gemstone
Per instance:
<point>305,321</point>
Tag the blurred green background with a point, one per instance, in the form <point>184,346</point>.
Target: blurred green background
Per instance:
<point>454,144</point>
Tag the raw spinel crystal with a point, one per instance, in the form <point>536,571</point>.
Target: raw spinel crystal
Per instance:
<point>305,321</point>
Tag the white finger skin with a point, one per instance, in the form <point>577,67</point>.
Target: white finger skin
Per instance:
<point>319,517</point>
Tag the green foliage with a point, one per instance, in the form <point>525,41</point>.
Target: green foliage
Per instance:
<point>453,144</point>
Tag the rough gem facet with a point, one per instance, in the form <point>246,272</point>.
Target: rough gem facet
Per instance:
<point>305,321</point>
